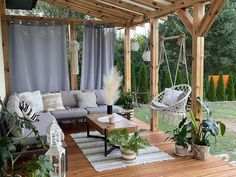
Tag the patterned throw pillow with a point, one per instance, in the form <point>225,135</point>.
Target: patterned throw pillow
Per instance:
<point>52,101</point>
<point>28,112</point>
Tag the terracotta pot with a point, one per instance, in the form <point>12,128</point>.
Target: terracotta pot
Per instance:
<point>128,155</point>
<point>181,151</point>
<point>200,152</point>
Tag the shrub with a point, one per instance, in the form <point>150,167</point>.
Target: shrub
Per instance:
<point>167,81</point>
<point>179,78</point>
<point>133,77</point>
<point>211,92</point>
<point>230,88</point>
<point>220,93</point>
<point>143,84</point>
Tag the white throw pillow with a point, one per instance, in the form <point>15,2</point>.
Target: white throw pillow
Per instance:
<point>87,100</point>
<point>52,101</point>
<point>13,105</point>
<point>34,99</point>
<point>171,96</point>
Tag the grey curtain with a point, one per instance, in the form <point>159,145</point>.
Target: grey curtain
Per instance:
<point>98,56</point>
<point>38,57</point>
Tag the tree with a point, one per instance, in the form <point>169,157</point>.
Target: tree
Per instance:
<point>230,88</point>
<point>220,93</point>
<point>133,77</point>
<point>211,92</point>
<point>143,84</point>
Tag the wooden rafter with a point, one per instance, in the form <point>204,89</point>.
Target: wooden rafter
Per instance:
<point>151,3</point>
<point>186,18</point>
<point>64,21</point>
<point>85,11</point>
<point>210,16</point>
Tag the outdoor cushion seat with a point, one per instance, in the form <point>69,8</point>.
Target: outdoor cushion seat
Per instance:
<point>103,109</point>
<point>69,113</point>
<point>45,119</point>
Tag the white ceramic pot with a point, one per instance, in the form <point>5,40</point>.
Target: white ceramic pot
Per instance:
<point>200,152</point>
<point>128,155</point>
<point>181,151</point>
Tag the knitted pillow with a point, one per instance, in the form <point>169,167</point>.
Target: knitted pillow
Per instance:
<point>28,112</point>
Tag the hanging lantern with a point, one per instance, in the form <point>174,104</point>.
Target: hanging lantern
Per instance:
<point>134,46</point>
<point>146,55</point>
<point>74,45</point>
<point>56,154</point>
<point>54,134</point>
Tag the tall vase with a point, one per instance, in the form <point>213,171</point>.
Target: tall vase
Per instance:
<point>109,109</point>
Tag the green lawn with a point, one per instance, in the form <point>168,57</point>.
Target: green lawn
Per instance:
<point>221,110</point>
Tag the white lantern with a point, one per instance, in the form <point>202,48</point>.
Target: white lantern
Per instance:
<point>54,134</point>
<point>146,55</point>
<point>56,154</point>
<point>134,46</point>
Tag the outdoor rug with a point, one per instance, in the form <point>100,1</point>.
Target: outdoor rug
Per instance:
<point>93,149</point>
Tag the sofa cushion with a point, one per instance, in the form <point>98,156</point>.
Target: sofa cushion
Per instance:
<point>69,113</point>
<point>69,98</point>
<point>28,112</point>
<point>52,101</point>
<point>86,99</point>
<point>45,119</point>
<point>34,99</point>
<point>100,99</point>
<point>103,109</point>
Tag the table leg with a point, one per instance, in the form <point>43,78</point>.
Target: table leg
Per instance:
<point>87,129</point>
<point>105,143</point>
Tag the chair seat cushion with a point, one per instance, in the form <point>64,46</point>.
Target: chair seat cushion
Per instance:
<point>69,113</point>
<point>171,96</point>
<point>103,109</point>
<point>158,104</point>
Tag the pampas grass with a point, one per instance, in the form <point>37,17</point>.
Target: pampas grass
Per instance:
<point>111,85</point>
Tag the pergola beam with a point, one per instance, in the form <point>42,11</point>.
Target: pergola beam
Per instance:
<point>186,18</point>
<point>197,59</point>
<point>154,68</point>
<point>127,59</point>
<point>210,17</point>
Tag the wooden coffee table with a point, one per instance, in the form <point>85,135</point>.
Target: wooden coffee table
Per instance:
<point>106,128</point>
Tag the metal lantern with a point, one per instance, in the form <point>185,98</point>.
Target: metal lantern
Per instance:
<point>146,55</point>
<point>56,154</point>
<point>54,134</point>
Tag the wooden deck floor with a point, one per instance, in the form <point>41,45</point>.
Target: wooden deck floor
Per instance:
<point>79,166</point>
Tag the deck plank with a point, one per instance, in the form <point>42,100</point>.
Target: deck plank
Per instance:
<point>79,166</point>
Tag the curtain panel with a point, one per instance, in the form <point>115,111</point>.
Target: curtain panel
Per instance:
<point>97,57</point>
<point>38,57</point>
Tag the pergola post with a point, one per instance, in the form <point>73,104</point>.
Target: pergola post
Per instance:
<point>197,59</point>
<point>73,77</point>
<point>127,60</point>
<point>154,68</point>
<point>5,47</point>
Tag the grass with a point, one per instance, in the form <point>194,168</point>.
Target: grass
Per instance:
<point>221,110</point>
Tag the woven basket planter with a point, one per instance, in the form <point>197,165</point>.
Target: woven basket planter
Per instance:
<point>200,152</point>
<point>127,155</point>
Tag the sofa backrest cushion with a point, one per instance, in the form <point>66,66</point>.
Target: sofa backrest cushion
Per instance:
<point>34,99</point>
<point>86,100</point>
<point>69,98</point>
<point>100,99</point>
<point>52,101</point>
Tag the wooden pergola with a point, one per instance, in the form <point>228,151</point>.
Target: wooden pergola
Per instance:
<point>129,13</point>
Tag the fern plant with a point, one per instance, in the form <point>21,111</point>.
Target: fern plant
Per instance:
<point>132,142</point>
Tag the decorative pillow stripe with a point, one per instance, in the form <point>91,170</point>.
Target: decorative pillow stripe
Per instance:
<point>28,112</point>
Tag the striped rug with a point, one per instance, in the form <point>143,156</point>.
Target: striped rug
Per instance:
<point>93,149</point>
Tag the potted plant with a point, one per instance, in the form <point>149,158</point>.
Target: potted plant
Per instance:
<point>7,145</point>
<point>128,103</point>
<point>181,137</point>
<point>129,144</point>
<point>39,167</point>
<point>201,130</point>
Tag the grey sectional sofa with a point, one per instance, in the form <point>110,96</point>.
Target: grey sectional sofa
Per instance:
<point>71,112</point>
